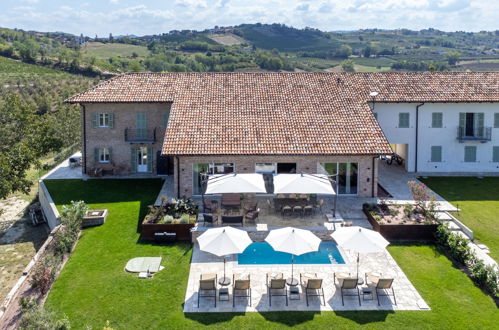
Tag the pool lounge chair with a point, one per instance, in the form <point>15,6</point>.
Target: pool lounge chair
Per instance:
<point>312,286</point>
<point>232,220</point>
<point>241,288</point>
<point>209,218</point>
<point>349,288</point>
<point>381,286</point>
<point>208,287</point>
<point>276,287</point>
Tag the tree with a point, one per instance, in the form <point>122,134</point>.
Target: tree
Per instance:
<point>344,52</point>
<point>347,66</point>
<point>452,57</point>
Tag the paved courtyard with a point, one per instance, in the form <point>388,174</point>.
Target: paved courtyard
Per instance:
<point>202,263</point>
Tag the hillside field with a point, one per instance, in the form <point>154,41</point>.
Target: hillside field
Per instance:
<point>106,50</point>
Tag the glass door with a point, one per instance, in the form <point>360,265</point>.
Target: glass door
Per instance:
<point>142,160</point>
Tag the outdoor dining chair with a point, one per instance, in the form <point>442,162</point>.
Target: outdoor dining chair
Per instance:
<point>276,287</point>
<point>308,210</point>
<point>312,286</point>
<point>320,205</point>
<point>209,218</point>
<point>286,210</point>
<point>297,210</point>
<point>251,216</point>
<point>241,288</point>
<point>208,287</point>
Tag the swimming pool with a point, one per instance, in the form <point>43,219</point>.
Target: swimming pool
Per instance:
<point>261,253</point>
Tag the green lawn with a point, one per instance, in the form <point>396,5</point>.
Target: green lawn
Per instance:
<point>478,200</point>
<point>93,288</point>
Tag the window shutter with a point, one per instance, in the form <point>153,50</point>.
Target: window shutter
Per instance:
<point>462,119</point>
<point>403,120</point>
<point>149,159</point>
<point>95,120</point>
<point>96,155</point>
<point>110,154</point>
<point>436,120</point>
<point>496,120</point>
<point>470,154</point>
<point>111,120</point>
<point>436,154</point>
<point>133,159</point>
<point>495,154</point>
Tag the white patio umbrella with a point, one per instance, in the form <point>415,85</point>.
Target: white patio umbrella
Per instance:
<point>235,183</point>
<point>223,241</point>
<point>294,241</point>
<point>360,240</point>
<point>302,184</point>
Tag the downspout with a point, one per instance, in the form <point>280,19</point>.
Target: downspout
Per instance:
<point>84,169</point>
<point>178,176</point>
<point>372,178</point>
<point>417,136</point>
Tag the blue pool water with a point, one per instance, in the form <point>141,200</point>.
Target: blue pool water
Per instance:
<point>261,253</point>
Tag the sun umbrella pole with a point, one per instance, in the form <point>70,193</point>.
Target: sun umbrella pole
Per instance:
<point>292,264</point>
<point>358,259</point>
<point>224,267</point>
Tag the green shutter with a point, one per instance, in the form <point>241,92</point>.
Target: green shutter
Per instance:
<point>436,154</point>
<point>480,130</point>
<point>462,119</point>
<point>495,154</point>
<point>95,120</point>
<point>141,124</point>
<point>96,155</point>
<point>436,120</point>
<point>110,154</point>
<point>133,159</point>
<point>111,120</point>
<point>404,120</point>
<point>149,159</point>
<point>470,154</point>
<point>496,120</point>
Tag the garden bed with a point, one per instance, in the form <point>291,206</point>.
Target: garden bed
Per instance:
<point>395,222</point>
<point>177,216</point>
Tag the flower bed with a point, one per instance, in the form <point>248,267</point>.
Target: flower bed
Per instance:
<point>177,216</point>
<point>400,222</point>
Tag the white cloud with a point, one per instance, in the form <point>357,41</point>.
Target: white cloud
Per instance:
<point>29,1</point>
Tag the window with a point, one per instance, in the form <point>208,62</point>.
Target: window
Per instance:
<point>104,155</point>
<point>470,154</point>
<point>471,124</point>
<point>437,120</point>
<point>209,168</point>
<point>436,154</point>
<point>496,120</point>
<point>495,154</point>
<point>347,175</point>
<point>270,168</point>
<point>404,120</point>
<point>103,120</point>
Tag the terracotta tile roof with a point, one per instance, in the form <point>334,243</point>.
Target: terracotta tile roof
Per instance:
<point>284,113</point>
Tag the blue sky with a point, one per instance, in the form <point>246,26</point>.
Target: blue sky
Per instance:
<point>142,17</point>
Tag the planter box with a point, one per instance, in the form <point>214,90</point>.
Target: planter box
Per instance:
<point>94,218</point>
<point>403,232</point>
<point>183,230</point>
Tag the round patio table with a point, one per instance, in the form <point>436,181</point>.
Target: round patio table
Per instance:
<point>291,281</point>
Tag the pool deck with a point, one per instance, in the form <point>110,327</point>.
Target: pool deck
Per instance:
<point>202,263</point>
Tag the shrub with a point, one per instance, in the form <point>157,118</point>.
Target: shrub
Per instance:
<point>408,209</point>
<point>184,218</point>
<point>43,319</point>
<point>44,273</point>
<point>484,276</point>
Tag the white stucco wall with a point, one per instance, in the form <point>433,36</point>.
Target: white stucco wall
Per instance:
<point>452,149</point>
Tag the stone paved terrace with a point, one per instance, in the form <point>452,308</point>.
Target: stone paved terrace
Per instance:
<point>407,296</point>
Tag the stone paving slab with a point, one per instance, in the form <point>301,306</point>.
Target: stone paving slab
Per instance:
<point>407,296</point>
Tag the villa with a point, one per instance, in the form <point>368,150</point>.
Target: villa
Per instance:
<point>183,124</point>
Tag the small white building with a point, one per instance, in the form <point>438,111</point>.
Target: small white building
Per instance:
<point>443,137</point>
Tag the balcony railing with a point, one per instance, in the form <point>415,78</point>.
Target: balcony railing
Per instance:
<point>482,134</point>
<point>134,135</point>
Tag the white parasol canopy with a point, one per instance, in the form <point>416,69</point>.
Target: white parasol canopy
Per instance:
<point>294,241</point>
<point>360,240</point>
<point>302,184</point>
<point>235,183</point>
<point>223,241</point>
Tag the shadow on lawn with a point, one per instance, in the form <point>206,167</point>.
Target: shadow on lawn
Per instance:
<point>364,317</point>
<point>464,188</point>
<point>212,318</point>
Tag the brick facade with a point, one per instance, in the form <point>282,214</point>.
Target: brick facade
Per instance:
<point>124,116</point>
<point>305,164</point>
